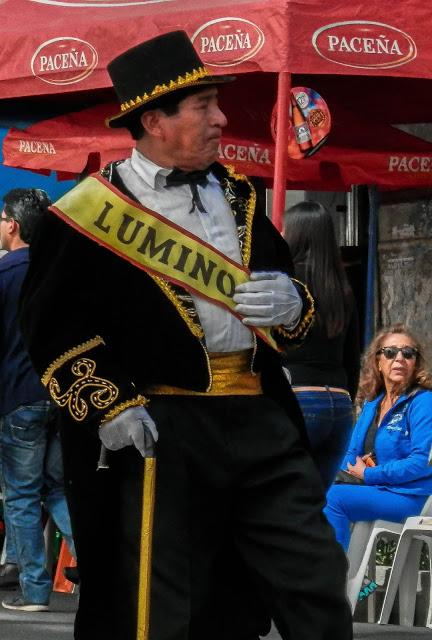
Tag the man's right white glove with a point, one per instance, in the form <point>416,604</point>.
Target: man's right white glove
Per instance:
<point>132,426</point>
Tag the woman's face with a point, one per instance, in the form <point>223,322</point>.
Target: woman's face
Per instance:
<point>398,367</point>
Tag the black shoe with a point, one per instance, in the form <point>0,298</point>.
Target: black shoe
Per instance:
<point>19,604</point>
<point>72,574</point>
<point>9,576</point>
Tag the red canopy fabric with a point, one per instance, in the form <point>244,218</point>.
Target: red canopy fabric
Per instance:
<point>50,46</point>
<point>372,63</point>
<point>65,143</point>
<point>358,151</point>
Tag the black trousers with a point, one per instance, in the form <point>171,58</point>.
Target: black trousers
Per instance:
<point>238,536</point>
<point>242,481</point>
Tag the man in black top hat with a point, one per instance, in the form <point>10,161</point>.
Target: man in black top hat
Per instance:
<point>166,295</point>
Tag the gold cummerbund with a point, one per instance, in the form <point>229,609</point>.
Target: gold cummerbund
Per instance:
<point>231,376</point>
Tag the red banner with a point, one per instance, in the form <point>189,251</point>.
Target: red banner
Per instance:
<point>357,152</point>
<point>64,45</point>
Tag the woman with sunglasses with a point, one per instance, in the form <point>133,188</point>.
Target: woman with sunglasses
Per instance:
<point>387,458</point>
<point>324,370</point>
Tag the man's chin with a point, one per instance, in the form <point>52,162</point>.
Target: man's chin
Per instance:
<point>200,163</point>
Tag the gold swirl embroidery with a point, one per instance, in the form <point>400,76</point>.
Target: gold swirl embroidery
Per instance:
<point>84,369</point>
<point>68,355</point>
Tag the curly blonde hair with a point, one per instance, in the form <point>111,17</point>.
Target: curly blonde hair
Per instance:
<point>371,381</point>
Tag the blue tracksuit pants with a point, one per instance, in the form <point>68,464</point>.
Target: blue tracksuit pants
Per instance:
<point>348,503</point>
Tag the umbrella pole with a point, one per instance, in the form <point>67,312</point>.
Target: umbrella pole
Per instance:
<point>280,174</point>
<point>370,320</point>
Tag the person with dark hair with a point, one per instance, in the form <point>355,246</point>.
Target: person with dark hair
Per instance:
<point>30,456</point>
<point>24,207</point>
<point>157,326</point>
<point>324,370</point>
<point>385,473</point>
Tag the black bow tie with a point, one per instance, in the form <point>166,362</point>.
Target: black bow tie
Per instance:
<point>178,177</point>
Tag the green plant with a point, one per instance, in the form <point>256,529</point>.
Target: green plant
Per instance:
<point>386,549</point>
<point>385,552</point>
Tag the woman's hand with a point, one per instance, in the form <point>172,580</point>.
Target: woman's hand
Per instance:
<point>357,469</point>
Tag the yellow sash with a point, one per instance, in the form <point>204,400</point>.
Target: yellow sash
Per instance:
<point>152,243</point>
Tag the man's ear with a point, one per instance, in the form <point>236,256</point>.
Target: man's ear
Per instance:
<point>152,122</point>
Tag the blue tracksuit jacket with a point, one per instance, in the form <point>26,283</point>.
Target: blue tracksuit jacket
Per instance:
<point>402,444</point>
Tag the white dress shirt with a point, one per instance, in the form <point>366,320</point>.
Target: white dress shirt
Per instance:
<point>146,180</point>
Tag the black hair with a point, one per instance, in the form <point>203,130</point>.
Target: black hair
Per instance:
<point>169,104</point>
<point>309,231</point>
<point>26,206</point>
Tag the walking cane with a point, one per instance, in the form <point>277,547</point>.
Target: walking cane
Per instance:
<point>102,462</point>
<point>146,537</point>
<point>146,545</point>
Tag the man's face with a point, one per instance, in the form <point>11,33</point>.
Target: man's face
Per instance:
<point>5,228</point>
<point>192,135</point>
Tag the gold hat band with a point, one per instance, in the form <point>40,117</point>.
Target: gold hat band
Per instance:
<point>182,81</point>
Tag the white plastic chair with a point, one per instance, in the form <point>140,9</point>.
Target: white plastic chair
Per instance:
<point>362,549</point>
<point>404,572</point>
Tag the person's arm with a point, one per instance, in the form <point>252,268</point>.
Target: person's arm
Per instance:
<point>357,438</point>
<point>71,308</point>
<point>415,465</point>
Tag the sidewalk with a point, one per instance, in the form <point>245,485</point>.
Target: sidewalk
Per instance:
<point>57,624</point>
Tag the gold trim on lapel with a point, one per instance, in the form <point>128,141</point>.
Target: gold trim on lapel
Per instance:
<point>243,208</point>
<point>187,311</point>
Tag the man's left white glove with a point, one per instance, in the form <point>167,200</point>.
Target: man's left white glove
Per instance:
<point>269,298</point>
<point>132,426</point>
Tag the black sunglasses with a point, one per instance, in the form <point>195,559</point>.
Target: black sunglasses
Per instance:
<point>390,353</point>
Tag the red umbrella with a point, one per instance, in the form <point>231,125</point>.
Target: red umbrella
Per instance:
<point>50,46</point>
<point>66,143</point>
<point>357,152</point>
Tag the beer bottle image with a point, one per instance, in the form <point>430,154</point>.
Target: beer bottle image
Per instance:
<point>301,128</point>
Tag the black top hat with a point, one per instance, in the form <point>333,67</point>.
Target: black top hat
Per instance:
<point>155,68</point>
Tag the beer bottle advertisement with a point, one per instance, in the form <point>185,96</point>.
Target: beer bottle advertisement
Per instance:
<point>309,125</point>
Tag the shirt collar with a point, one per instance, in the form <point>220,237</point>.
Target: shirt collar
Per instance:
<point>152,173</point>
<point>147,170</point>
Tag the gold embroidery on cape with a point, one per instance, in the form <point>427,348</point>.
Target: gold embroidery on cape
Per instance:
<point>242,207</point>
<point>101,398</point>
<point>139,401</point>
<point>68,355</point>
<point>303,327</point>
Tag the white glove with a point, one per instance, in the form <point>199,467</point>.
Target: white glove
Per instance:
<point>268,299</point>
<point>132,426</point>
